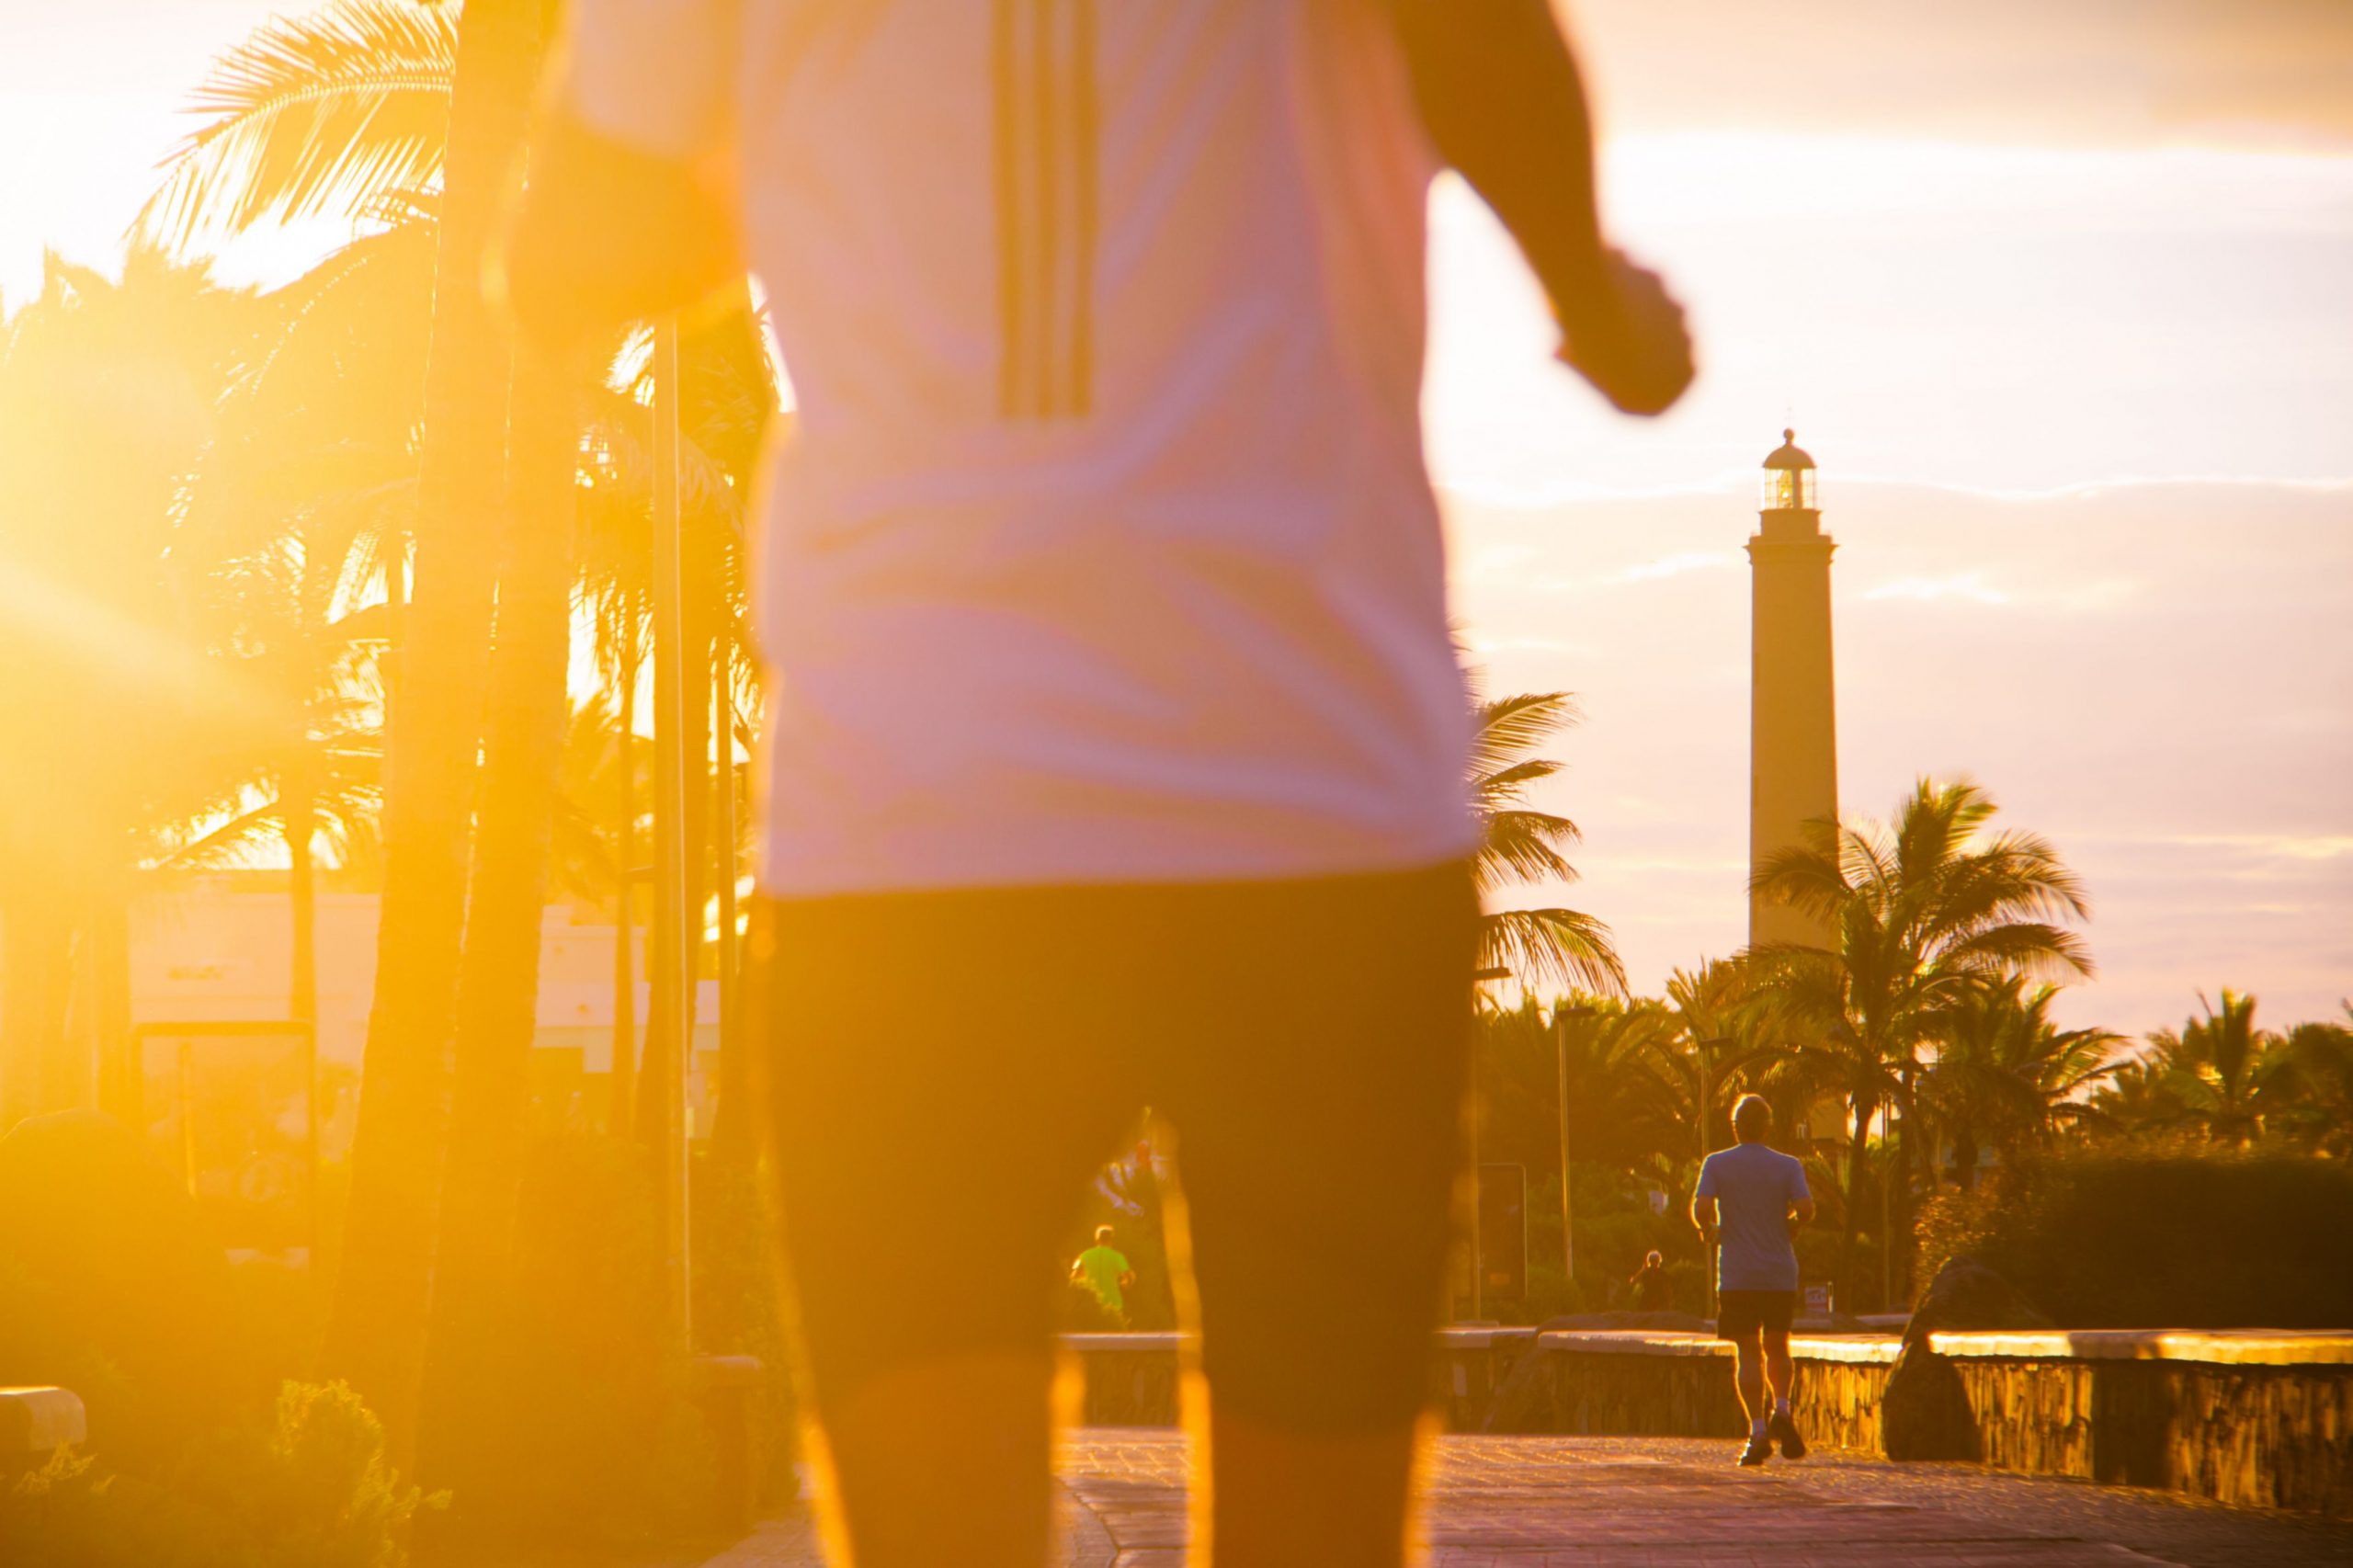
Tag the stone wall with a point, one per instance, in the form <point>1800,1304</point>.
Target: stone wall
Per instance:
<point>1132,1380</point>
<point>2266,1437</point>
<point>1120,1379</point>
<point>1681,1385</point>
<point>2262,1420</point>
<point>2254,1419</point>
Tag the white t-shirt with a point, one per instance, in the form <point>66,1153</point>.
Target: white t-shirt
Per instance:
<point>1103,549</point>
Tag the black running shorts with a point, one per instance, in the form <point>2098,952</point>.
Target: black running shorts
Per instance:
<point>1740,1313</point>
<point>944,1071</point>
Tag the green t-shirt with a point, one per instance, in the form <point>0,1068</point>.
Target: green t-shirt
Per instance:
<point>1101,1267</point>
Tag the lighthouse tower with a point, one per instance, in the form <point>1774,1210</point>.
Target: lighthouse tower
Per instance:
<point>1792,711</point>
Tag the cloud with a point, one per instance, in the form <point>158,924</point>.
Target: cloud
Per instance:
<point>1676,564</point>
<point>2113,72</point>
<point>1969,586</point>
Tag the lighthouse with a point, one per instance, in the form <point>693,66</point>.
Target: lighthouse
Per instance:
<point>1792,707</point>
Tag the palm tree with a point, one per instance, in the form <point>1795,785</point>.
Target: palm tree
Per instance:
<point>1618,1112</point>
<point>310,766</point>
<point>2005,1074</point>
<point>366,109</point>
<point>1522,844</point>
<point>376,1333</point>
<point>2139,1097</point>
<point>289,528</point>
<point>2317,1076</point>
<point>347,111</point>
<point>2224,1072</point>
<point>1723,1045</point>
<point>1919,911</point>
<point>108,702</point>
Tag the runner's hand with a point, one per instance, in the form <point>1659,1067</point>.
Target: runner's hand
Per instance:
<point>1629,338</point>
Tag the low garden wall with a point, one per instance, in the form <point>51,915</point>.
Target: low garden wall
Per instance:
<point>1130,1380</point>
<point>1643,1383</point>
<point>2253,1418</point>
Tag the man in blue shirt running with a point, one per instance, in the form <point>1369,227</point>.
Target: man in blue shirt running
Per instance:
<point>1750,1201</point>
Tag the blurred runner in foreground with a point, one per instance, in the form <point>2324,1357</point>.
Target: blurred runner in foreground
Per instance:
<point>1115,745</point>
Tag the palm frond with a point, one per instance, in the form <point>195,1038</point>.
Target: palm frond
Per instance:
<point>1552,947</point>
<point>1507,728</point>
<point>312,115</point>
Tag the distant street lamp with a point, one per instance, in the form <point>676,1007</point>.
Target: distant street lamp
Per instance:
<point>673,934</point>
<point>1478,1262</point>
<point>1701,1049</point>
<point>1560,1038</point>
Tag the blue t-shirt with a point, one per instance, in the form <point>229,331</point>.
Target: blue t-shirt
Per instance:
<point>1755,1188</point>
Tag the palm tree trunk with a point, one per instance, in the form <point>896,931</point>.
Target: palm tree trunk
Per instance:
<point>617,1115</point>
<point>665,1056</point>
<point>375,1330</point>
<point>1850,1212</point>
<point>35,952</point>
<point>463,1426</point>
<point>118,1080</point>
<point>1899,1269</point>
<point>303,899</point>
<point>731,1123</point>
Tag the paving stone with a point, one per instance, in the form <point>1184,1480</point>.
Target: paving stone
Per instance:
<point>1680,1503</point>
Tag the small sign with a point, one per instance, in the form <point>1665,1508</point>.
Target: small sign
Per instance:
<point>1817,1298</point>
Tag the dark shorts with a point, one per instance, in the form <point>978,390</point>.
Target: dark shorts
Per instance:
<point>946,1071</point>
<point>1740,1313</point>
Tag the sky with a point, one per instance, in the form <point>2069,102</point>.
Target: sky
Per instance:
<point>2053,293</point>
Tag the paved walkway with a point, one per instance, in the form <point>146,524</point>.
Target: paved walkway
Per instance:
<point>1680,1503</point>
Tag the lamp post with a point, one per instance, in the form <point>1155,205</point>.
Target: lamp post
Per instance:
<point>1561,1017</point>
<point>673,938</point>
<point>1478,1264</point>
<point>1701,1049</point>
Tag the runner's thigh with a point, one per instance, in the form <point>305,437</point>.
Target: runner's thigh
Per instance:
<point>1314,1077</point>
<point>941,1072</point>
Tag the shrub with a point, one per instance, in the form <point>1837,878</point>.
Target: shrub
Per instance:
<point>2104,1238</point>
<point>110,1286</point>
<point>313,1491</point>
<point>736,1308</point>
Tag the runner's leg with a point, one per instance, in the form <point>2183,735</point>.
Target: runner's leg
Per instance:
<point>1316,1070</point>
<point>1748,1376</point>
<point>1780,1368</point>
<point>931,1125</point>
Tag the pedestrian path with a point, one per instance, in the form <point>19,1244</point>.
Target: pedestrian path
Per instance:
<point>1680,1503</point>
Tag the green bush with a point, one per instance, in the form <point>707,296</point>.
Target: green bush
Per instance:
<point>2165,1239</point>
<point>312,1491</point>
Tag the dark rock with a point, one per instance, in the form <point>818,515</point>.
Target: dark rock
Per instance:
<point>1925,1414</point>
<point>1523,1402</point>
<point>1967,1295</point>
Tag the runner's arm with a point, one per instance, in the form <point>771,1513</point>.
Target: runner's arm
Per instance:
<point>630,208</point>
<point>1703,1215</point>
<point>1501,98</point>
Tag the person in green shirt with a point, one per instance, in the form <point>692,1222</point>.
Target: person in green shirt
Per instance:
<point>1104,1270</point>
